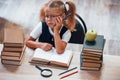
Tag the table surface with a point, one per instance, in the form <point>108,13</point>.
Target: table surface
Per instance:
<point>110,69</point>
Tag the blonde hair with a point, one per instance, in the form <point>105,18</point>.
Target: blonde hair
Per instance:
<point>70,22</point>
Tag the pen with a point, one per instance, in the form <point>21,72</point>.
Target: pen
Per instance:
<point>68,70</point>
<point>66,16</point>
<point>69,74</point>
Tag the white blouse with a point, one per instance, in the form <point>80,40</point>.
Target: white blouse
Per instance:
<point>37,31</point>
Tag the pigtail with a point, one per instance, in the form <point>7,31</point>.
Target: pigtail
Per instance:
<point>71,10</point>
<point>42,13</point>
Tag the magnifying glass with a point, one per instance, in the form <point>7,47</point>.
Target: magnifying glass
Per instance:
<point>45,72</point>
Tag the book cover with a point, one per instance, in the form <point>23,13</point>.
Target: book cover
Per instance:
<point>17,58</point>
<point>13,36</point>
<point>13,62</point>
<point>19,45</point>
<point>90,68</point>
<point>89,65</point>
<point>92,57</point>
<point>12,49</point>
<point>14,54</point>
<point>92,61</point>
<point>52,57</point>
<point>91,54</point>
<point>97,45</point>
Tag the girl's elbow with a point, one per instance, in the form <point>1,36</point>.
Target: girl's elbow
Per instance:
<point>26,43</point>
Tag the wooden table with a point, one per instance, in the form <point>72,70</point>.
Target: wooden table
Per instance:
<point>109,71</point>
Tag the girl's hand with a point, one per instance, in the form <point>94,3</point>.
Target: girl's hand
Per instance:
<point>58,23</point>
<point>46,46</point>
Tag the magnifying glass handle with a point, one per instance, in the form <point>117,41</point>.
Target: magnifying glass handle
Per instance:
<point>38,68</point>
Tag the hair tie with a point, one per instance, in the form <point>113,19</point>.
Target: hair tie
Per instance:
<point>66,3</point>
<point>66,7</point>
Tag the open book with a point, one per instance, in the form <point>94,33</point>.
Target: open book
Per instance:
<point>52,57</point>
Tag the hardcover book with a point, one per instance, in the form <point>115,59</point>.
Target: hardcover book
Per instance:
<point>92,57</point>
<point>90,54</point>
<point>92,61</point>
<point>90,68</point>
<point>13,37</point>
<point>14,54</point>
<point>13,62</point>
<point>88,64</point>
<point>12,49</point>
<point>52,57</point>
<point>17,58</point>
<point>96,46</point>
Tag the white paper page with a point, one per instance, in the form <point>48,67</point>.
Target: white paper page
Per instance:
<point>40,54</point>
<point>63,58</point>
<point>1,47</point>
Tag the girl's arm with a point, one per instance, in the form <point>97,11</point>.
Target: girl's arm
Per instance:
<point>59,44</point>
<point>32,43</point>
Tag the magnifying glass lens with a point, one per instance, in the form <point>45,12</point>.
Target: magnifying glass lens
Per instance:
<point>46,73</point>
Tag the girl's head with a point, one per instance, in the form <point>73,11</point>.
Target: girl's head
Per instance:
<point>55,8</point>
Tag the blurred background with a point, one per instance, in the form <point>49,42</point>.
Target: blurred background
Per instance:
<point>101,15</point>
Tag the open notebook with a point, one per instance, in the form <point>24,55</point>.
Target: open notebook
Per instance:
<point>52,57</point>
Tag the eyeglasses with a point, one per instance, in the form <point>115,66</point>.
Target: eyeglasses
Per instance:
<point>51,16</point>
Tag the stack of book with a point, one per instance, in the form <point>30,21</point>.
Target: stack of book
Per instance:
<point>13,50</point>
<point>91,57</point>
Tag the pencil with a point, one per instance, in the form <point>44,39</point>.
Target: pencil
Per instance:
<point>69,74</point>
<point>68,70</point>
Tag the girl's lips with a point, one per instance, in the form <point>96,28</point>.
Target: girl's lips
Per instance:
<point>51,24</point>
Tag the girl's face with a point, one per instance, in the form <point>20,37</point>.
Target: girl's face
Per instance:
<point>50,15</point>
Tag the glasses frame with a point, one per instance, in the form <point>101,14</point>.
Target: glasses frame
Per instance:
<point>52,16</point>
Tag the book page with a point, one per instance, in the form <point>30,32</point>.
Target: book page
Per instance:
<point>42,55</point>
<point>61,59</point>
<point>1,47</point>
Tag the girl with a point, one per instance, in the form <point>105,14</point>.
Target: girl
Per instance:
<point>53,30</point>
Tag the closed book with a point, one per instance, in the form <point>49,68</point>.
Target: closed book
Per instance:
<point>14,54</point>
<point>13,62</point>
<point>92,57</point>
<point>90,54</point>
<point>92,61</point>
<point>1,31</point>
<point>96,46</point>
<point>90,68</point>
<point>52,57</point>
<point>13,37</point>
<point>90,64</point>
<point>14,45</point>
<point>12,49</point>
<point>17,58</point>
